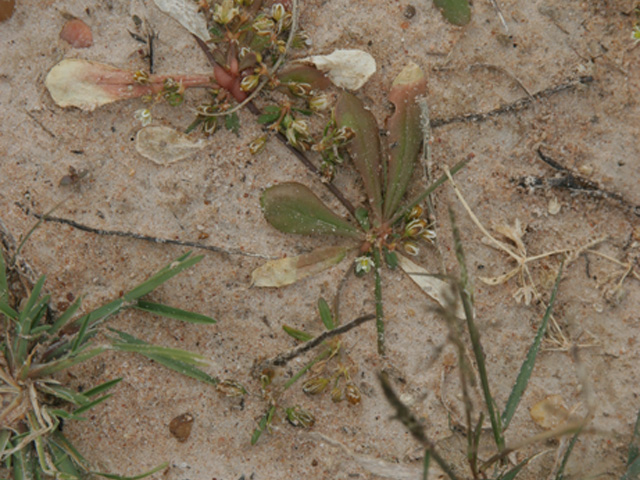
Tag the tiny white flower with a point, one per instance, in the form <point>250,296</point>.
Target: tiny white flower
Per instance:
<point>364,264</point>
<point>318,103</point>
<point>428,234</point>
<point>225,13</point>
<point>144,116</point>
<point>411,248</point>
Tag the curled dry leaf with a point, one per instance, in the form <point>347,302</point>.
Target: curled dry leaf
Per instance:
<point>285,271</point>
<point>348,69</point>
<point>434,287</point>
<point>186,13</point>
<point>164,145</point>
<point>550,413</point>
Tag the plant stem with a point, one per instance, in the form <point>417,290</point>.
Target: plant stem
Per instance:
<point>378,294</point>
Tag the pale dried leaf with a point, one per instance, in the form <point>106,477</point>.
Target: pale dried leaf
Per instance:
<point>76,83</point>
<point>550,413</point>
<point>285,271</point>
<point>185,12</point>
<point>514,234</point>
<point>434,287</point>
<point>164,145</point>
<point>348,69</point>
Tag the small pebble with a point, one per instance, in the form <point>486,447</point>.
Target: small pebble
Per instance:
<point>77,34</point>
<point>409,11</point>
<point>180,427</point>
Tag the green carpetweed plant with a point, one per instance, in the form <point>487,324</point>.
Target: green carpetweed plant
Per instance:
<point>384,225</point>
<point>37,345</point>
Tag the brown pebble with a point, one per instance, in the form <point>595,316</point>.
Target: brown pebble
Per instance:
<point>77,34</point>
<point>409,11</point>
<point>180,427</point>
<point>7,8</point>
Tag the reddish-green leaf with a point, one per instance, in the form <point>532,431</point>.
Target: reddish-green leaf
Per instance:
<point>293,208</point>
<point>364,149</point>
<point>305,74</point>
<point>405,134</point>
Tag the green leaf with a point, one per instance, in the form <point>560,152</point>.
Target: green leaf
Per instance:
<point>390,258</point>
<point>167,358</point>
<point>90,405</point>
<point>457,12</point>
<point>170,271</point>
<point>65,317</point>
<point>297,334</point>
<point>362,215</point>
<point>305,74</point>
<point>175,313</point>
<point>64,393</point>
<point>4,289</point>
<point>364,149</point>
<point>426,463</point>
<point>232,123</point>
<point>293,208</point>
<point>633,457</point>
<point>527,366</point>
<point>137,477</point>
<point>567,454</point>
<point>265,421</point>
<point>46,369</point>
<point>103,387</point>
<point>325,314</point>
<point>285,271</point>
<point>405,134</point>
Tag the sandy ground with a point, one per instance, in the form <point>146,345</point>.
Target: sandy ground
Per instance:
<point>590,127</point>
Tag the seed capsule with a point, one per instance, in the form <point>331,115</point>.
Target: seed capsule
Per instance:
<point>415,227</point>
<point>257,145</point>
<point>299,417</point>
<point>337,395</point>
<point>231,388</point>
<point>352,393</point>
<point>411,248</point>
<point>313,386</point>
<point>416,212</point>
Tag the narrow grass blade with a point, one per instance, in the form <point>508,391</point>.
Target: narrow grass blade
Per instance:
<point>426,462</point>
<point>168,272</point>
<point>64,444</point>
<point>326,354</point>
<point>64,393</point>
<point>529,362</point>
<point>5,437</point>
<point>4,289</point>
<point>65,317</point>
<point>8,311</point>
<point>63,461</point>
<point>90,405</point>
<point>567,454</point>
<point>263,424</point>
<point>156,351</point>
<point>101,313</point>
<point>175,313</point>
<point>132,344</point>
<point>325,314</point>
<point>513,473</point>
<point>633,457</point>
<point>379,309</point>
<point>297,334</point>
<point>474,335</point>
<point>44,370</point>
<point>103,387</point>
<point>137,477</point>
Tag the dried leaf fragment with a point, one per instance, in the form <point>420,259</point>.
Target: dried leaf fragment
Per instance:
<point>180,427</point>
<point>164,145</point>
<point>77,34</point>
<point>434,287</point>
<point>7,7</point>
<point>285,271</point>
<point>186,13</point>
<point>348,69</point>
<point>549,413</point>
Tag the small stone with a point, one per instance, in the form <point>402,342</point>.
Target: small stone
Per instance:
<point>7,7</point>
<point>554,206</point>
<point>180,427</point>
<point>77,34</point>
<point>409,11</point>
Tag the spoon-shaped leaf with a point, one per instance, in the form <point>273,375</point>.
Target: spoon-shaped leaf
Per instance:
<point>293,208</point>
<point>305,74</point>
<point>364,149</point>
<point>285,271</point>
<point>405,134</point>
<point>457,12</point>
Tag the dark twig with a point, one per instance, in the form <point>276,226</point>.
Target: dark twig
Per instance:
<point>514,107</point>
<point>284,358</point>
<point>139,236</point>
